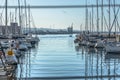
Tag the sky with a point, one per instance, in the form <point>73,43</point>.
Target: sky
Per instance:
<point>58,18</point>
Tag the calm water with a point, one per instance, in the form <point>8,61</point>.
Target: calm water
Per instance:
<point>58,56</point>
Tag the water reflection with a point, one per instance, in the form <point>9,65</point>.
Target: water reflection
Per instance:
<point>77,48</point>
<point>59,57</point>
<point>112,56</point>
<point>100,65</point>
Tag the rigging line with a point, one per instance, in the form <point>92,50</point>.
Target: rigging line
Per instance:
<point>118,24</point>
<point>113,8</point>
<point>115,18</point>
<point>1,16</point>
<point>110,9</point>
<point>114,12</point>
<point>106,22</point>
<point>33,22</point>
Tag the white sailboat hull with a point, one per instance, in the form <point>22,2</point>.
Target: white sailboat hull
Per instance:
<point>112,48</point>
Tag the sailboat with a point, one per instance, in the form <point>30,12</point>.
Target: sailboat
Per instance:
<point>7,58</point>
<point>112,47</point>
<point>30,38</point>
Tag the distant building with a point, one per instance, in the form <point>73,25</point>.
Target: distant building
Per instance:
<point>70,30</point>
<point>12,29</point>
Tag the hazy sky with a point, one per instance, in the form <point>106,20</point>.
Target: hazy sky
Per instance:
<point>58,18</point>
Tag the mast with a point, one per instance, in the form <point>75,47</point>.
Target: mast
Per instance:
<point>102,17</point>
<point>19,16</point>
<point>97,18</point>
<point>86,20</point>
<point>92,19</point>
<point>102,32</point>
<point>29,19</point>
<point>114,15</point>
<point>109,20</point>
<point>15,15</point>
<point>25,16</point>
<point>81,28</point>
<point>6,17</point>
<point>90,23</point>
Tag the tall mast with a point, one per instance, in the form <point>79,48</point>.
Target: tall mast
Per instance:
<point>90,23</point>
<point>109,20</point>
<point>86,20</point>
<point>19,16</point>
<point>102,17</point>
<point>25,16</point>
<point>29,19</point>
<point>6,17</point>
<point>114,14</point>
<point>92,19</point>
<point>15,15</point>
<point>85,16</point>
<point>97,17</point>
